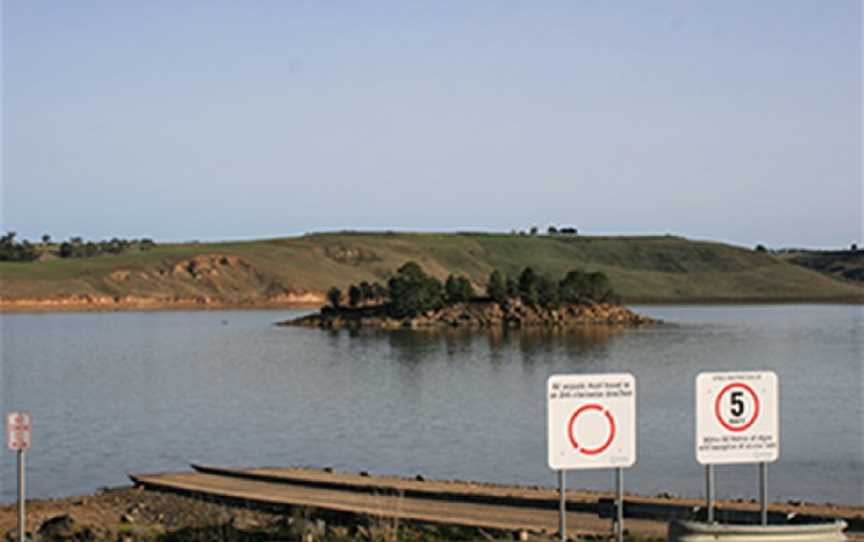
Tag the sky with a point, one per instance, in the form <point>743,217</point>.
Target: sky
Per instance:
<point>736,121</point>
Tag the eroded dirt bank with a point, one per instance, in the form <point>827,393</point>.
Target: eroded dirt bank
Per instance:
<point>87,302</point>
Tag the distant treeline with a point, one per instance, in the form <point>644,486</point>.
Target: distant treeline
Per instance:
<point>534,230</point>
<point>76,247</point>
<point>411,291</point>
<point>853,248</point>
<point>551,230</point>
<point>13,251</point>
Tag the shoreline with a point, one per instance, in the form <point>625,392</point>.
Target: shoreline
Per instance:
<point>696,301</point>
<point>314,301</point>
<point>826,508</point>
<point>145,515</point>
<point>99,303</point>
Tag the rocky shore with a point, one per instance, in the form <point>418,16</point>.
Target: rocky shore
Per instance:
<point>476,314</point>
<point>136,515</point>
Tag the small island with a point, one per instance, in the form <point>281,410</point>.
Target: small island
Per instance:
<point>416,300</point>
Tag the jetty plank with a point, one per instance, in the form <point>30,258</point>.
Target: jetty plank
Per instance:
<point>459,503</point>
<point>540,497</point>
<point>535,496</point>
<point>388,505</point>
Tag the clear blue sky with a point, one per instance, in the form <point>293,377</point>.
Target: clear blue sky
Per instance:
<point>729,120</point>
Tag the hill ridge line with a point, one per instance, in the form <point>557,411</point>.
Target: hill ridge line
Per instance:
<point>296,271</point>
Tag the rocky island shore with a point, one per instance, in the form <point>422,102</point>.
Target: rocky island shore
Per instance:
<point>483,314</point>
<point>415,300</point>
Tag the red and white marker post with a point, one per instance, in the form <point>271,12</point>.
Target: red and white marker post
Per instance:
<point>737,421</point>
<point>19,436</point>
<point>592,425</point>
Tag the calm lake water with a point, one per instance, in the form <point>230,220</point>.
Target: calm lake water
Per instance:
<point>113,393</point>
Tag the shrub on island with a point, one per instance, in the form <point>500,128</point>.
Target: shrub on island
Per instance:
<point>411,291</point>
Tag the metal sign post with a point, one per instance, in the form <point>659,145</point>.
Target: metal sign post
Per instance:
<point>592,425</point>
<point>709,493</point>
<point>763,491</point>
<point>619,504</point>
<point>18,439</point>
<point>562,505</point>
<point>737,421</point>
<point>22,499</point>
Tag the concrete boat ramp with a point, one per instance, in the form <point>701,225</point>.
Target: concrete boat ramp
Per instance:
<point>494,507</point>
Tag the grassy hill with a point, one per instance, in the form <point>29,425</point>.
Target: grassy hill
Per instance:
<point>655,269</point>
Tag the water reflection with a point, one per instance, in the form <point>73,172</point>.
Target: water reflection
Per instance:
<point>415,345</point>
<point>577,341</point>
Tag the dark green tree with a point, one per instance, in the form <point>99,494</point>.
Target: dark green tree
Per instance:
<point>573,287</point>
<point>365,291</point>
<point>512,287</point>
<point>458,289</point>
<point>115,246</point>
<point>66,250</point>
<point>599,287</point>
<point>334,296</point>
<point>528,286</point>
<point>411,270</point>
<point>12,251</point>
<point>412,291</point>
<point>496,289</point>
<point>355,295</point>
<point>379,292</point>
<point>547,293</point>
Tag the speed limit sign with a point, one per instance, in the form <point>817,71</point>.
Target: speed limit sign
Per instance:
<point>736,417</point>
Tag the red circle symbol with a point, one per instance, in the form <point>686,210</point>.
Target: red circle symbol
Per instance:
<point>719,401</point>
<point>610,420</point>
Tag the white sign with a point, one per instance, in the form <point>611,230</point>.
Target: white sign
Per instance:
<point>592,421</point>
<point>737,417</point>
<point>18,430</point>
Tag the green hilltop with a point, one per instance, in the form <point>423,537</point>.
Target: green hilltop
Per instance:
<point>641,269</point>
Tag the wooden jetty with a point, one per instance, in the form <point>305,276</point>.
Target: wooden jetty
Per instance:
<point>487,506</point>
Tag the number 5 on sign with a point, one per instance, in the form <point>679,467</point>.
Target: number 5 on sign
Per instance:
<point>736,417</point>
